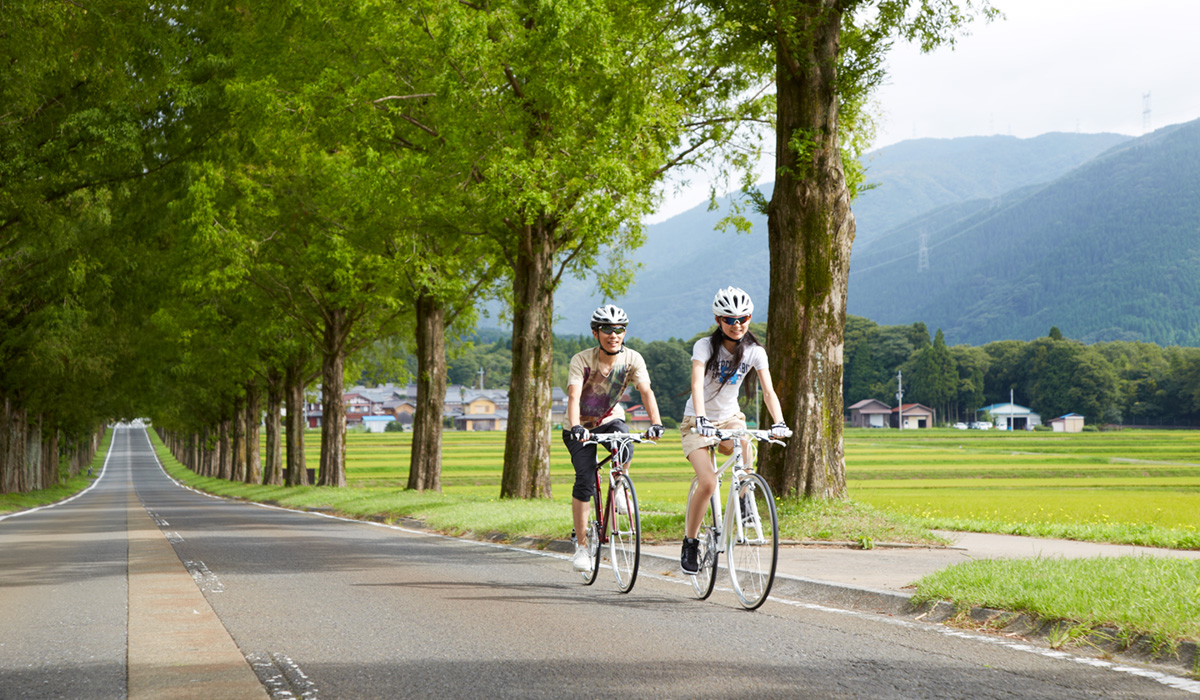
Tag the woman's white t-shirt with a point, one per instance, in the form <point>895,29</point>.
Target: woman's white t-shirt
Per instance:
<point>720,402</point>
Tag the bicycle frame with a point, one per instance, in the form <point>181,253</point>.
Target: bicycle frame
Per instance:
<point>725,512</point>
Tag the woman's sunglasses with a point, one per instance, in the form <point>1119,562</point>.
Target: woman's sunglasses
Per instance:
<point>735,320</point>
<point>610,330</point>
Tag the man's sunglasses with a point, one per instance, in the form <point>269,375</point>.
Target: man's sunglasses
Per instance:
<point>735,320</point>
<point>609,330</point>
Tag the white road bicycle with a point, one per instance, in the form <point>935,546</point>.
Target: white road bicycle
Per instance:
<point>747,531</point>
<point>618,523</point>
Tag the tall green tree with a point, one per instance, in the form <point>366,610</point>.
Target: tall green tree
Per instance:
<point>575,111</point>
<point>829,56</point>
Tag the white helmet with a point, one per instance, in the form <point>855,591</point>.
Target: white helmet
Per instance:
<point>732,301</point>
<point>609,315</point>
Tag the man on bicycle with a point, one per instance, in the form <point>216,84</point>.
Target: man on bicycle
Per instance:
<point>596,380</point>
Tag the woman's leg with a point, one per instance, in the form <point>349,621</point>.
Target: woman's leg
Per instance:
<point>706,484</point>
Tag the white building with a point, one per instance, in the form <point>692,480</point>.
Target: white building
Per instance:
<point>1011,416</point>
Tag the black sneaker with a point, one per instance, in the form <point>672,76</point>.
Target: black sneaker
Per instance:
<point>689,558</point>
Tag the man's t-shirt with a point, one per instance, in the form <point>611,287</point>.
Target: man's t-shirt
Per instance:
<point>720,402</point>
<point>599,394</point>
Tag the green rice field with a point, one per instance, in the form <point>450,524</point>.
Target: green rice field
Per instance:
<point>1134,486</point>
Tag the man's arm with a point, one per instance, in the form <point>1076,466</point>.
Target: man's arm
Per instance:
<point>649,402</point>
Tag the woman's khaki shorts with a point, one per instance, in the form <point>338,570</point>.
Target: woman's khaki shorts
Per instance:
<point>695,441</point>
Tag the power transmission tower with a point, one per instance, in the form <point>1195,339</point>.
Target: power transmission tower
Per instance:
<point>1146,113</point>
<point>923,252</point>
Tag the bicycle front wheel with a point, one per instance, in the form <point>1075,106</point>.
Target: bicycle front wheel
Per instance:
<point>625,536</point>
<point>593,542</point>
<point>704,579</point>
<point>753,542</point>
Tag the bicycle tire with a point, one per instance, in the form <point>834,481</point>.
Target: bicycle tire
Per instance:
<point>753,546</point>
<point>705,579</point>
<point>625,535</point>
<point>593,541</point>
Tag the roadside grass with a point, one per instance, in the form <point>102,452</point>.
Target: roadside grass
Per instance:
<point>69,486</point>
<point>1157,597</point>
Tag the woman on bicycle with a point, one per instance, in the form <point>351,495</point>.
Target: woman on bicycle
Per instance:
<point>720,363</point>
<point>596,380</point>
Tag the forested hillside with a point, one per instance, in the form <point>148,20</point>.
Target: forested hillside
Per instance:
<point>1110,251</point>
<point>684,260</point>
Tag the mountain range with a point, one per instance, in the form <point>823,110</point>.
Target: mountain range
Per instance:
<point>1097,234</point>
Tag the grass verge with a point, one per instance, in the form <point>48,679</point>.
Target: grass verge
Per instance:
<point>1154,597</point>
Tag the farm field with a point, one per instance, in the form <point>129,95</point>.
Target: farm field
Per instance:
<point>1135,486</point>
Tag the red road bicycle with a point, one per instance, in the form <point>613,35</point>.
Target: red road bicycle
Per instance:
<point>618,524</point>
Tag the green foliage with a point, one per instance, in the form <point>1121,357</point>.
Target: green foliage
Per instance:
<point>1115,382</point>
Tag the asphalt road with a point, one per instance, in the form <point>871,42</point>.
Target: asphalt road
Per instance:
<point>324,608</point>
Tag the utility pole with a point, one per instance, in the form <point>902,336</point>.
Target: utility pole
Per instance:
<point>480,373</point>
<point>900,398</point>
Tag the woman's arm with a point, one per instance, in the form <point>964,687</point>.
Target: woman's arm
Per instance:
<point>769,397</point>
<point>698,407</point>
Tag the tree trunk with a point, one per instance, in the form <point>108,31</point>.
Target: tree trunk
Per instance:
<point>273,464</point>
<point>810,231</point>
<point>6,478</point>
<point>527,443</point>
<point>253,460</point>
<point>294,405</point>
<point>425,463</point>
<point>49,457</point>
<point>333,407</point>
<point>15,430</point>
<point>237,443</point>
<point>224,451</point>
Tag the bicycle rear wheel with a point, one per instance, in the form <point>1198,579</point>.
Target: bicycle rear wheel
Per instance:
<point>625,535</point>
<point>704,579</point>
<point>754,542</point>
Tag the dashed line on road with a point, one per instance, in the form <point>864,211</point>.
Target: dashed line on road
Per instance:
<point>282,677</point>
<point>204,578</point>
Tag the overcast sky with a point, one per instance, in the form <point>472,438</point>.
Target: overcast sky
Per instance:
<point>1049,65</point>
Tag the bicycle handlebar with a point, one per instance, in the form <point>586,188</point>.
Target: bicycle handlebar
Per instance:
<point>597,438</point>
<point>760,435</point>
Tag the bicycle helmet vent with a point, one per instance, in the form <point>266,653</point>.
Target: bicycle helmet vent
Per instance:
<point>732,301</point>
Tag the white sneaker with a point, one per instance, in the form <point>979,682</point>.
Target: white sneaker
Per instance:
<point>581,560</point>
<point>622,502</point>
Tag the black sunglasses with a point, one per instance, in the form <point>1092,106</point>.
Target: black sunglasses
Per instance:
<point>609,330</point>
<point>735,320</point>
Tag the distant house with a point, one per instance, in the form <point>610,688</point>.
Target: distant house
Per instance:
<point>637,418</point>
<point>915,416</point>
<point>870,413</point>
<point>377,424</point>
<point>356,404</point>
<point>481,410</point>
<point>1069,423</point>
<point>1011,416</point>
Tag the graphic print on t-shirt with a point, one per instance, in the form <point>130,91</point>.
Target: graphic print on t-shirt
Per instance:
<point>599,393</point>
